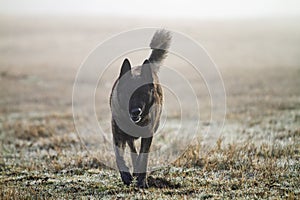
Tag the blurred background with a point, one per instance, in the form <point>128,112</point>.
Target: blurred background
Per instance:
<point>155,9</point>
<point>42,43</point>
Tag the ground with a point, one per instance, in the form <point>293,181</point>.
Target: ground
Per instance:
<point>256,156</point>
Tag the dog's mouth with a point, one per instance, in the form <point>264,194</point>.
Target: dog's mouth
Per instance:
<point>136,119</point>
<point>136,114</point>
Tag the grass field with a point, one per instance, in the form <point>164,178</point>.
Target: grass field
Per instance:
<point>257,155</point>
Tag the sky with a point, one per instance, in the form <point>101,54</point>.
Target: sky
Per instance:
<point>154,8</point>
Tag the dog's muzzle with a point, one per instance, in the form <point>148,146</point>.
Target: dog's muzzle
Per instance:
<point>135,115</point>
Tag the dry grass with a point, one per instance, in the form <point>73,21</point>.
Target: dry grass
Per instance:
<point>44,161</point>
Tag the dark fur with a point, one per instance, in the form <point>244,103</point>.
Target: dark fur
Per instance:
<point>144,109</point>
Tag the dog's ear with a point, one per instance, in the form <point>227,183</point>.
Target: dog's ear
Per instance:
<point>147,71</point>
<point>126,67</point>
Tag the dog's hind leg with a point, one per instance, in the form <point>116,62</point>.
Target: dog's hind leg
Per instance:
<point>119,147</point>
<point>142,162</point>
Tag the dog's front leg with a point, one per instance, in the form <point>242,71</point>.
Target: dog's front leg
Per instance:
<point>133,153</point>
<point>119,147</point>
<point>142,163</point>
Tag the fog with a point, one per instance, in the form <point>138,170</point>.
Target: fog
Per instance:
<point>154,8</point>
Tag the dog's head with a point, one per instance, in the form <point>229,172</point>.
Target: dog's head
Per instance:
<point>137,90</point>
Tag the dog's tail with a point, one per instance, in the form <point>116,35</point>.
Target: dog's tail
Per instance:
<point>160,44</point>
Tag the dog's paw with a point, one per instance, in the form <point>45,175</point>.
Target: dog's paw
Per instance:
<point>126,178</point>
<point>143,184</point>
<point>142,180</point>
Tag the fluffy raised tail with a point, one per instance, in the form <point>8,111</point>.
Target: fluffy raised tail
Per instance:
<point>160,44</point>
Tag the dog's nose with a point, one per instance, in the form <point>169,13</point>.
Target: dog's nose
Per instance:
<point>136,112</point>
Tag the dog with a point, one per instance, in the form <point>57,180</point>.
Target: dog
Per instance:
<point>136,103</point>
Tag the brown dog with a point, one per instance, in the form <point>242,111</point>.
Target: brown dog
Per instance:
<point>136,104</point>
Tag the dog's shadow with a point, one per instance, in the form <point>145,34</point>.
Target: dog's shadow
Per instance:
<point>157,182</point>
